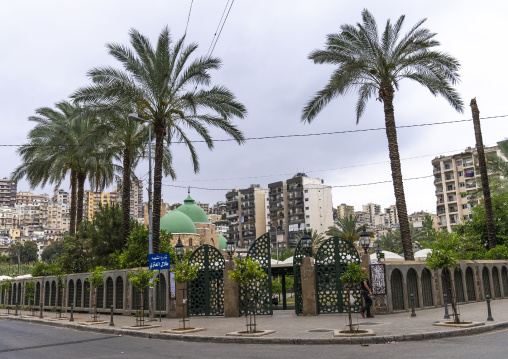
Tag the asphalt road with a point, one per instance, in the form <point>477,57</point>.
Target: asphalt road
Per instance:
<point>22,340</point>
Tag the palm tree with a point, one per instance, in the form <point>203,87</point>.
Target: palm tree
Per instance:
<point>162,85</point>
<point>346,227</point>
<point>374,66</point>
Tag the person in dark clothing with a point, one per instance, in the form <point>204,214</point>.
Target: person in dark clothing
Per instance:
<point>366,289</point>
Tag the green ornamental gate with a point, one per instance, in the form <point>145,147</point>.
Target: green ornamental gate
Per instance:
<point>331,260</point>
<point>262,290</point>
<point>297,286</point>
<point>206,292</point>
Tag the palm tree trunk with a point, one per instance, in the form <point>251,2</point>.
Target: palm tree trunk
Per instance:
<point>160,133</point>
<point>72,225</point>
<point>126,194</point>
<point>489,214</point>
<point>81,193</point>
<point>386,93</point>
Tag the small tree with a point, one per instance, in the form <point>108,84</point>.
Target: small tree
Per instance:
<point>142,279</point>
<point>184,272</point>
<point>30,294</point>
<point>350,278</point>
<point>7,287</point>
<point>247,271</point>
<point>96,280</point>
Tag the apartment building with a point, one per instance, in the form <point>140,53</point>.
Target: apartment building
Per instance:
<point>246,211</point>
<point>374,210</point>
<point>219,208</point>
<point>298,204</point>
<point>345,210</point>
<point>136,199</point>
<point>454,179</point>
<point>8,190</point>
<point>93,199</point>
<point>8,217</point>
<point>61,197</point>
<point>417,219</point>
<point>391,216</point>
<point>59,218</point>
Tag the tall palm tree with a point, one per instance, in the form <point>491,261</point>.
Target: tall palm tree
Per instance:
<point>162,83</point>
<point>374,66</point>
<point>346,227</point>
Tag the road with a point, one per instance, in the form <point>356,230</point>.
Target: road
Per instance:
<point>23,340</point>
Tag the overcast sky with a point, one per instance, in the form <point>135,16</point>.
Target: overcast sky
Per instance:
<point>48,46</point>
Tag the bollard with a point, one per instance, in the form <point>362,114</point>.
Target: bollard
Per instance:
<point>111,324</point>
<point>445,300</point>
<point>72,313</point>
<point>41,310</point>
<point>412,303</point>
<point>489,313</point>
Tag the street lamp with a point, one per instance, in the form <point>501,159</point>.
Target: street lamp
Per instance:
<point>364,240</point>
<point>139,118</point>
<point>179,250</point>
<point>378,253</point>
<point>230,248</point>
<point>306,244</point>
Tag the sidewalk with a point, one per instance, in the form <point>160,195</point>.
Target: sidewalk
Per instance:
<point>292,329</point>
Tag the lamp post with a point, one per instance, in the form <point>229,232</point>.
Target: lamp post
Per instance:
<point>139,118</point>
<point>364,242</point>
<point>306,244</point>
<point>179,250</point>
<point>378,253</point>
<point>230,248</point>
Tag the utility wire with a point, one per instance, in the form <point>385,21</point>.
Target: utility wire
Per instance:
<point>308,134</point>
<point>188,18</point>
<point>224,22</point>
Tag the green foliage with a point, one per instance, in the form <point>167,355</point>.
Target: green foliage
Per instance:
<point>27,252</point>
<point>498,252</point>
<point>96,277</point>
<point>6,285</point>
<point>390,241</point>
<point>30,291</point>
<point>346,227</point>
<point>142,279</point>
<point>284,253</point>
<point>276,286</point>
<point>185,272</point>
<point>354,274</point>
<point>246,271</point>
<point>41,269</point>
<point>4,259</point>
<point>75,258</point>
<point>51,252</point>
<point>428,234</point>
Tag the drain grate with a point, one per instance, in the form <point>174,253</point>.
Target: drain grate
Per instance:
<point>320,330</point>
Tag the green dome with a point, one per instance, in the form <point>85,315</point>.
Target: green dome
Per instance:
<point>178,222</point>
<point>192,210</point>
<point>222,242</point>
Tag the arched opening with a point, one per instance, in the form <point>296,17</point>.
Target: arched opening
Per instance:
<point>47,294</point>
<point>109,292</point>
<point>37,298</point>
<point>428,299</point>
<point>412,286</point>
<point>14,293</point>
<point>86,294</point>
<point>397,290</point>
<point>136,299</point>
<point>100,297</point>
<point>119,293</point>
<point>446,283</point>
<point>20,289</point>
<point>471,293</point>
<point>504,279</point>
<point>160,293</point>
<point>486,282</point>
<point>459,287</point>
<point>495,280</point>
<point>79,292</point>
<point>70,298</point>
<point>53,294</point>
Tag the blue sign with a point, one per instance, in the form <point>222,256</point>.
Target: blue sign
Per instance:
<point>158,261</point>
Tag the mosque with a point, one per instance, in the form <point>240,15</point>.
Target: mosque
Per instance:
<point>190,223</point>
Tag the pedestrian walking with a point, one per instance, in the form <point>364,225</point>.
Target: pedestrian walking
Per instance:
<point>366,290</point>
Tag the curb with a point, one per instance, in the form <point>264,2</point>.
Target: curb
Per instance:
<point>266,340</point>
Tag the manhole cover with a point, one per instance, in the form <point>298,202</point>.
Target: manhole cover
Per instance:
<point>320,330</point>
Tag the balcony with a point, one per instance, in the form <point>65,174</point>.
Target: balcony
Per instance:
<point>437,169</point>
<point>449,178</point>
<point>450,188</point>
<point>438,180</point>
<point>439,191</point>
<point>468,164</point>
<point>470,185</point>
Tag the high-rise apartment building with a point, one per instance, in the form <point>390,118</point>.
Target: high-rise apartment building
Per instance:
<point>61,197</point>
<point>136,199</point>
<point>298,204</point>
<point>92,200</point>
<point>391,216</point>
<point>454,179</point>
<point>8,190</point>
<point>345,210</point>
<point>374,210</point>
<point>246,211</point>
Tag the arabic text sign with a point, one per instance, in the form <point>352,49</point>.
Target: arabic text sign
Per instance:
<point>158,261</point>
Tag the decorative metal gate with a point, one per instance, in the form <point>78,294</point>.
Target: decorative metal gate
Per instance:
<point>297,264</point>
<point>206,292</point>
<point>332,259</point>
<point>259,252</point>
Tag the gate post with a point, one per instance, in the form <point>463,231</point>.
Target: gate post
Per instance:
<point>308,275</point>
<point>181,307</point>
<point>231,293</point>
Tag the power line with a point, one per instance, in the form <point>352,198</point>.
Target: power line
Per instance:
<point>188,17</point>
<point>308,134</point>
<point>220,32</point>
<point>215,36</point>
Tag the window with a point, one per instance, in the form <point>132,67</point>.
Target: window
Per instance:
<point>461,173</point>
<point>307,216</point>
<point>459,163</point>
<point>464,206</point>
<point>306,191</point>
<point>308,224</point>
<point>461,184</point>
<point>306,199</point>
<point>306,208</point>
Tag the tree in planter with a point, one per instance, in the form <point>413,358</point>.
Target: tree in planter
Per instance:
<point>60,284</point>
<point>30,294</point>
<point>142,279</point>
<point>184,273</point>
<point>444,259</point>
<point>96,280</point>
<point>350,278</point>
<point>7,287</point>
<point>245,272</point>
